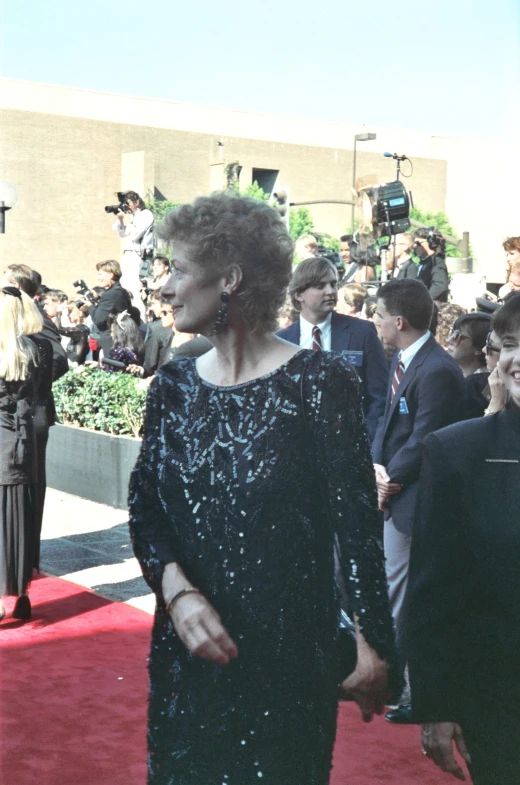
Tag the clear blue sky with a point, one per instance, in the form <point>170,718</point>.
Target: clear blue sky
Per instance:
<point>450,67</point>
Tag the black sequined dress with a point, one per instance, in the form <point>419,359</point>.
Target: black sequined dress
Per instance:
<point>225,487</point>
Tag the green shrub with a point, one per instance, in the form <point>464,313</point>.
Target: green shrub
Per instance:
<point>109,402</point>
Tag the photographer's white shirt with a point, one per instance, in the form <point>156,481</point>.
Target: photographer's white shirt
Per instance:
<point>136,231</point>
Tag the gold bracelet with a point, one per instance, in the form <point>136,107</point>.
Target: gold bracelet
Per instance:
<point>177,596</point>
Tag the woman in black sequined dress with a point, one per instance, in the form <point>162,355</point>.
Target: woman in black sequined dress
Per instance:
<point>225,499</point>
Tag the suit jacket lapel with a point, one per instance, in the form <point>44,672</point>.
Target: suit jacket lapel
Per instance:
<point>409,374</point>
<point>294,332</point>
<point>339,333</point>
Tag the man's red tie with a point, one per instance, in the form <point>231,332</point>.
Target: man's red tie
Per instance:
<point>316,338</point>
<point>396,379</point>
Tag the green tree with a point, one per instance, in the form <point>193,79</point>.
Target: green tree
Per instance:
<point>159,207</point>
<point>255,192</point>
<point>300,222</point>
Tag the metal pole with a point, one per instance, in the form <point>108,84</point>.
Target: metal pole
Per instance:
<point>464,247</point>
<point>2,217</point>
<point>353,187</point>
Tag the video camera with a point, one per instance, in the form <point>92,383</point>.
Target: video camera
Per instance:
<point>84,291</point>
<point>121,207</point>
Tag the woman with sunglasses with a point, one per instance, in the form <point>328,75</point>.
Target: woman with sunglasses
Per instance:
<point>466,344</point>
<point>463,625</point>
<point>25,380</point>
<point>495,391</point>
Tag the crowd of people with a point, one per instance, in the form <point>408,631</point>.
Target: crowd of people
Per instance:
<point>321,442</point>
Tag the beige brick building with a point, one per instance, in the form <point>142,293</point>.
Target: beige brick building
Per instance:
<point>68,151</point>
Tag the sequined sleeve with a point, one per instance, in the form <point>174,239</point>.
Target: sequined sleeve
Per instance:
<point>345,460</point>
<point>152,536</point>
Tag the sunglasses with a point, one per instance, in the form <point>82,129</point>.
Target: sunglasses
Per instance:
<point>166,313</point>
<point>456,336</point>
<point>489,345</point>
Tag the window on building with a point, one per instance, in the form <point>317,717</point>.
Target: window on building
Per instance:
<point>266,179</point>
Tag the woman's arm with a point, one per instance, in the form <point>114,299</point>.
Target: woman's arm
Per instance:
<point>195,620</point>
<point>151,531</point>
<point>345,461</point>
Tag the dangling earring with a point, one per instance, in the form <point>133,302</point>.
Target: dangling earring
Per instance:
<point>221,322</point>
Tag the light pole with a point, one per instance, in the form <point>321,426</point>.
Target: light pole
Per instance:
<point>358,138</point>
<point>8,197</point>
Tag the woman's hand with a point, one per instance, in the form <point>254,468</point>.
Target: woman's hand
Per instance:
<point>368,685</point>
<point>136,370</point>
<point>196,621</point>
<point>199,627</point>
<point>437,740</point>
<point>498,392</point>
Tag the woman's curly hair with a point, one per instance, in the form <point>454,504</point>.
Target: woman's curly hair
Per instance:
<point>227,229</point>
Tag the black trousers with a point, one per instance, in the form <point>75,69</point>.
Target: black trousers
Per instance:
<point>491,730</point>
<point>40,487</point>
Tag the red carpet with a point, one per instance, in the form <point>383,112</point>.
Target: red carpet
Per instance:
<point>73,702</point>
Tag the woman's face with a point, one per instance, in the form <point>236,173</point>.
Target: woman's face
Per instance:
<point>509,364</point>
<point>195,301</point>
<point>512,256</point>
<point>492,350</point>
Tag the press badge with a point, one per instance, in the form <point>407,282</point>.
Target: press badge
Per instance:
<point>354,358</point>
<point>403,406</point>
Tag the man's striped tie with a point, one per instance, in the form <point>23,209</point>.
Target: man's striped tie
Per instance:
<point>316,338</point>
<point>396,379</point>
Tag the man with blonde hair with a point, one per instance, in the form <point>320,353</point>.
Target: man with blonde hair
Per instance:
<point>351,298</point>
<point>114,300</point>
<point>305,247</point>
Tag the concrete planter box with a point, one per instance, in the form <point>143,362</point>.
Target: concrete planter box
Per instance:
<point>91,464</point>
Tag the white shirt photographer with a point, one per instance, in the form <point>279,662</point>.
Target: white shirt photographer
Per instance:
<point>138,237</point>
<point>137,234</point>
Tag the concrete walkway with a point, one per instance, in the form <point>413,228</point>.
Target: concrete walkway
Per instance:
<point>88,543</point>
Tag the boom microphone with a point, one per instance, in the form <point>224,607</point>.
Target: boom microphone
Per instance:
<point>396,156</point>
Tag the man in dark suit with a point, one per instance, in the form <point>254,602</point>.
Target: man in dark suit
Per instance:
<point>426,392</point>
<point>430,247</point>
<point>404,266</point>
<point>114,300</point>
<point>314,292</point>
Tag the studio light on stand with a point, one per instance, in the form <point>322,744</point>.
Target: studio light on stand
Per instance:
<point>8,197</point>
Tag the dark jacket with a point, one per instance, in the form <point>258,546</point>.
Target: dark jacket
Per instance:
<point>113,300</point>
<point>462,629</point>
<point>358,340</point>
<point>44,411</point>
<point>433,273</point>
<point>77,348</point>
<point>49,331</point>
<point>408,270</point>
<point>431,395</point>
<point>476,402</point>
<point>156,347</point>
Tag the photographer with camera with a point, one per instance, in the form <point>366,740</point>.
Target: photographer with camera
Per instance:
<point>76,331</point>
<point>138,241</point>
<point>113,300</point>
<point>430,248</point>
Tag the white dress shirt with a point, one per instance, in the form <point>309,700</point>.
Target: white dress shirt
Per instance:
<point>137,234</point>
<point>306,333</point>
<point>407,355</point>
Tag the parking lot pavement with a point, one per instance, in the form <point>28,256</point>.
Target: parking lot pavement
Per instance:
<point>89,544</point>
